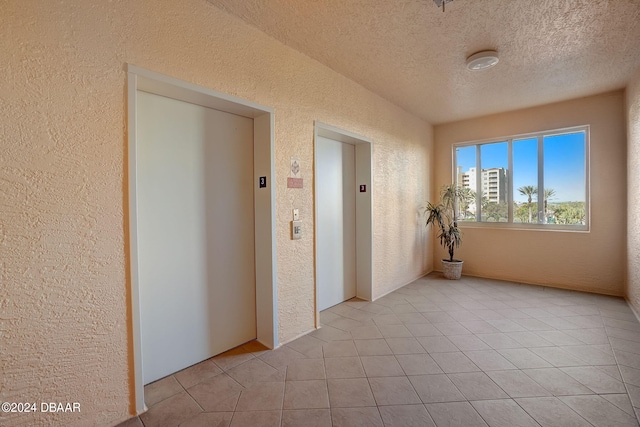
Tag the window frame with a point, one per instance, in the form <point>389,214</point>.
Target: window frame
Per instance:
<point>510,224</point>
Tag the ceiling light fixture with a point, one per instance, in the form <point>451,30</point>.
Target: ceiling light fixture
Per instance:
<point>482,60</point>
<point>441,3</point>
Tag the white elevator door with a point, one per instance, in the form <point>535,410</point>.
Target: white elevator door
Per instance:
<point>195,233</point>
<point>336,228</point>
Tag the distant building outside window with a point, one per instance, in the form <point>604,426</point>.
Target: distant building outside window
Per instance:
<point>537,180</point>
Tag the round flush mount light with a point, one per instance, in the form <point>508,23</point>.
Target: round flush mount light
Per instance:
<point>482,60</point>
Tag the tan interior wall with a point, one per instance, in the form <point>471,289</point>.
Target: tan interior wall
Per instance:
<point>633,192</point>
<point>593,261</point>
<point>64,295</point>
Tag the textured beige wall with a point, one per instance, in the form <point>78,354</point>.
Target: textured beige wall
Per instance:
<point>633,192</point>
<point>64,300</point>
<point>593,261</point>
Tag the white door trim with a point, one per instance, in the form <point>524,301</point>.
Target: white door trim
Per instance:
<point>364,205</point>
<point>264,202</point>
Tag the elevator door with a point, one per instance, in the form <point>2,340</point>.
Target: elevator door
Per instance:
<point>336,227</point>
<point>195,225</point>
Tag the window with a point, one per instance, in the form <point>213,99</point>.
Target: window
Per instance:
<point>532,181</point>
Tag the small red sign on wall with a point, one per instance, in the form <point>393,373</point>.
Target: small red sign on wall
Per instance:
<point>294,182</point>
<point>363,188</point>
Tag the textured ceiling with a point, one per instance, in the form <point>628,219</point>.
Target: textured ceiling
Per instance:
<point>413,54</point>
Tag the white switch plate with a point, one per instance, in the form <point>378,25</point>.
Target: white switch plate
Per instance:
<point>296,230</point>
<point>296,214</point>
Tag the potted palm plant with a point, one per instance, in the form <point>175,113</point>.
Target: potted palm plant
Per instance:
<point>443,216</point>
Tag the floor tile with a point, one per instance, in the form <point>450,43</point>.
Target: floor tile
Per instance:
<point>207,419</point>
<point>506,325</point>
<point>517,384</point>
<point>499,341</point>
<point>256,419</point>
<point>599,411</point>
<point>551,412</point>
<point>197,373</point>
<point>595,379</point>
<point>308,346</point>
<point>455,414</point>
<point>412,318</point>
<point>512,313</point>
<point>503,413</point>
<point>394,331</point>
<point>356,417</point>
<point>558,357</point>
<point>437,344</point>
<point>406,416</point>
<point>418,364</point>
<point>308,394</point>
<point>436,352</point>
<point>377,347</point>
<point>423,330</point>
<point>451,328</point>
<point>624,334</point>
<point>590,321</point>
<point>468,342</point>
<point>306,369</point>
<point>366,332</point>
<point>589,336</point>
<point>621,401</point>
<point>479,327</point>
<point>438,317</point>
<point>634,395</point>
<point>381,366</point>
<point>529,339</point>
<point>559,338</point>
<point>630,375</point>
<point>463,315</point>
<point>350,393</point>
<point>592,354</point>
<point>393,391</point>
<point>403,308</point>
<point>339,349</point>
<point>255,370</point>
<point>423,307</point>
<point>281,357</point>
<point>386,319</point>
<point>254,347</point>
<point>405,346</point>
<point>327,316</point>
<point>345,324</point>
<point>523,358</point>
<point>306,418</point>
<point>436,388</point>
<point>134,422</point>
<point>454,362</point>
<point>231,358</point>
<point>327,333</point>
<point>172,411</point>
<point>625,358</point>
<point>375,308</point>
<point>557,382</point>
<point>620,324</point>
<point>477,386</point>
<point>261,397</point>
<point>612,370</point>
<point>159,390</point>
<point>535,325</point>
<point>344,367</point>
<point>219,394</point>
<point>489,360</point>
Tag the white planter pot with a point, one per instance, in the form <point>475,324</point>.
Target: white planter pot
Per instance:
<point>452,270</point>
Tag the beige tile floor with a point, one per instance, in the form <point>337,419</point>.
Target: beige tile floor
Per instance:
<point>473,352</point>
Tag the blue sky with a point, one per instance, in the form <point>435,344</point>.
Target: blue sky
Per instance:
<point>564,164</point>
